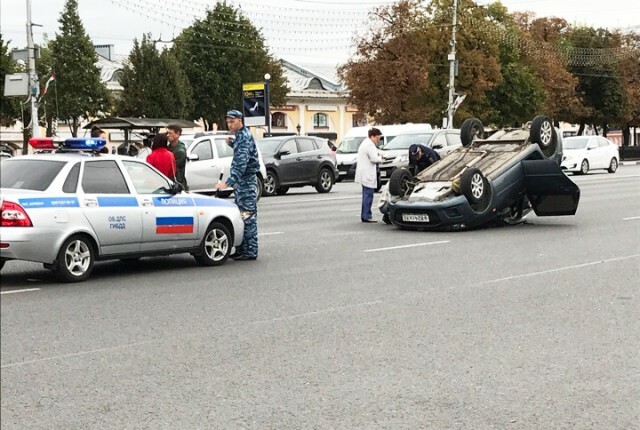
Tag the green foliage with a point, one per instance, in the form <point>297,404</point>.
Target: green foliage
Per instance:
<point>154,85</point>
<point>9,106</point>
<point>80,93</point>
<point>221,52</point>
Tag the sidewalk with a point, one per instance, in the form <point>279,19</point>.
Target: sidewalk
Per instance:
<point>630,163</point>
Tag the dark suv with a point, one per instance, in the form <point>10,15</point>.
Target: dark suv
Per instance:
<point>296,161</point>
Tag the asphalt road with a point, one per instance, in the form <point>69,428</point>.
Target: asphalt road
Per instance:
<point>344,325</point>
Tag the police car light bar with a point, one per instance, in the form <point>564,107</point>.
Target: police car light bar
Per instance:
<point>42,143</point>
<point>85,143</point>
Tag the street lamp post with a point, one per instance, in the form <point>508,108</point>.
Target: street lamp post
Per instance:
<point>267,102</point>
<point>452,66</point>
<point>33,77</point>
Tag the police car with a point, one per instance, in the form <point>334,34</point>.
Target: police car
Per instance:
<point>67,206</point>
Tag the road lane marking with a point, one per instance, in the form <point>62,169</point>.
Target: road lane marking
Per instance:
<point>560,269</point>
<point>76,354</point>
<point>320,312</point>
<point>631,218</point>
<point>25,290</point>
<point>350,210</point>
<point>271,233</point>
<point>285,202</point>
<point>408,246</point>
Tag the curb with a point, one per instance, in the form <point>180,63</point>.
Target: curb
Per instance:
<point>630,163</point>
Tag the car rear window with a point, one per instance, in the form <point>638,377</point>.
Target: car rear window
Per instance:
<point>34,175</point>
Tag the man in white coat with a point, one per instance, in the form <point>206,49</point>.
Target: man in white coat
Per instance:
<point>366,172</point>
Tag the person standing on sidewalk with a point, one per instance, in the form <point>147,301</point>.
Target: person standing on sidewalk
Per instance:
<point>179,152</point>
<point>244,168</point>
<point>366,172</point>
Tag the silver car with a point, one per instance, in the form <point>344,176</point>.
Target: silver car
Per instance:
<point>69,210</point>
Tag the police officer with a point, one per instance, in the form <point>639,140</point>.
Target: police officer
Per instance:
<point>244,168</point>
<point>421,157</point>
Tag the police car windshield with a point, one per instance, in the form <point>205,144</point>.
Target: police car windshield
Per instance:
<point>404,141</point>
<point>269,145</point>
<point>34,175</point>
<point>349,145</point>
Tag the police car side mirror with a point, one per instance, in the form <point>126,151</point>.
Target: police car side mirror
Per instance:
<point>193,157</point>
<point>176,188</point>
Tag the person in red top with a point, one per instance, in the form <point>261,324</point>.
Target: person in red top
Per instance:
<point>161,158</point>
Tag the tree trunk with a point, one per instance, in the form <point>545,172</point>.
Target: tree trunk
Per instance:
<point>581,129</point>
<point>626,136</point>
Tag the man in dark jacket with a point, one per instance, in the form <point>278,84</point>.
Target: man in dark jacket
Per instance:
<point>244,168</point>
<point>179,152</point>
<point>421,157</point>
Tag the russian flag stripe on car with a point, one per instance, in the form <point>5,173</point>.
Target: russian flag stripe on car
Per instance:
<point>171,225</point>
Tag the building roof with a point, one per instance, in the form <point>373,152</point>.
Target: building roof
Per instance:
<point>312,81</point>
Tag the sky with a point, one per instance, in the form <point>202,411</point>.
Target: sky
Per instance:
<point>304,31</point>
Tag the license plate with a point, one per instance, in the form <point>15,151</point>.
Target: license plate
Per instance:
<point>383,173</point>
<point>415,217</point>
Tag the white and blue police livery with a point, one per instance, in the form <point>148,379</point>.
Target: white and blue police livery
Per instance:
<point>70,208</point>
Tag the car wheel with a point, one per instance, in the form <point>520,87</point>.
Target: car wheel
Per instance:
<point>386,219</point>
<point>259,187</point>
<point>613,165</point>
<point>399,182</point>
<point>325,181</point>
<point>475,188</point>
<point>271,184</point>
<point>543,133</point>
<point>282,191</point>
<point>471,128</point>
<point>215,246</point>
<point>75,259</point>
<point>584,167</point>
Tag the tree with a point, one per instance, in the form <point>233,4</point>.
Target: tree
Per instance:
<point>629,71</point>
<point>81,94</point>
<point>218,54</point>
<point>9,106</point>
<point>153,83</point>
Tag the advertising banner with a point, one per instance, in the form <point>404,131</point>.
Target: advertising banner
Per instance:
<point>254,104</point>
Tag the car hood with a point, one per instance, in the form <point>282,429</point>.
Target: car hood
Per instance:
<point>346,158</point>
<point>393,153</point>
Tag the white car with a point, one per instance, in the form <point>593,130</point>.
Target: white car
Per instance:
<point>69,208</point>
<point>585,153</point>
<point>209,159</point>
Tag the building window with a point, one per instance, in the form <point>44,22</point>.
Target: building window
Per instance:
<point>358,120</point>
<point>320,120</point>
<point>279,119</point>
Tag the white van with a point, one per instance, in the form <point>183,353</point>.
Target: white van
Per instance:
<point>347,151</point>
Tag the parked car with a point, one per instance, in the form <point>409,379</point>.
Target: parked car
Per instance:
<point>296,161</point>
<point>68,209</point>
<point>396,152</point>
<point>208,157</point>
<point>585,153</point>
<point>499,179</point>
<point>347,150</point>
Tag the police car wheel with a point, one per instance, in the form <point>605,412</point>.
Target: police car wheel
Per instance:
<point>215,247</point>
<point>75,259</point>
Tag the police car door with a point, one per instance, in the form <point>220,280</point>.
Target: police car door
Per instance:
<point>110,207</point>
<point>169,221</point>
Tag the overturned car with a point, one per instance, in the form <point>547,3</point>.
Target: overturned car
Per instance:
<point>495,180</point>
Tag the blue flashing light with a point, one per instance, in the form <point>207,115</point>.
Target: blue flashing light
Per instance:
<point>85,143</point>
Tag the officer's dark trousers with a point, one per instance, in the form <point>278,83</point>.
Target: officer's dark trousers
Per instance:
<point>246,199</point>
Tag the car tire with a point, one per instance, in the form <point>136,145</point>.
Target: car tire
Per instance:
<point>584,167</point>
<point>75,259</point>
<point>215,246</point>
<point>282,191</point>
<point>271,184</point>
<point>475,187</point>
<point>399,182</point>
<point>613,165</point>
<point>471,128</point>
<point>544,135</point>
<point>259,187</point>
<point>325,181</point>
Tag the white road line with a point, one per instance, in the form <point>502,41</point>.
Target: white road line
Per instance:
<point>349,210</point>
<point>321,311</point>
<point>631,218</point>
<point>407,246</point>
<point>286,202</point>
<point>26,290</point>
<point>560,269</point>
<point>76,354</point>
<point>271,233</point>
